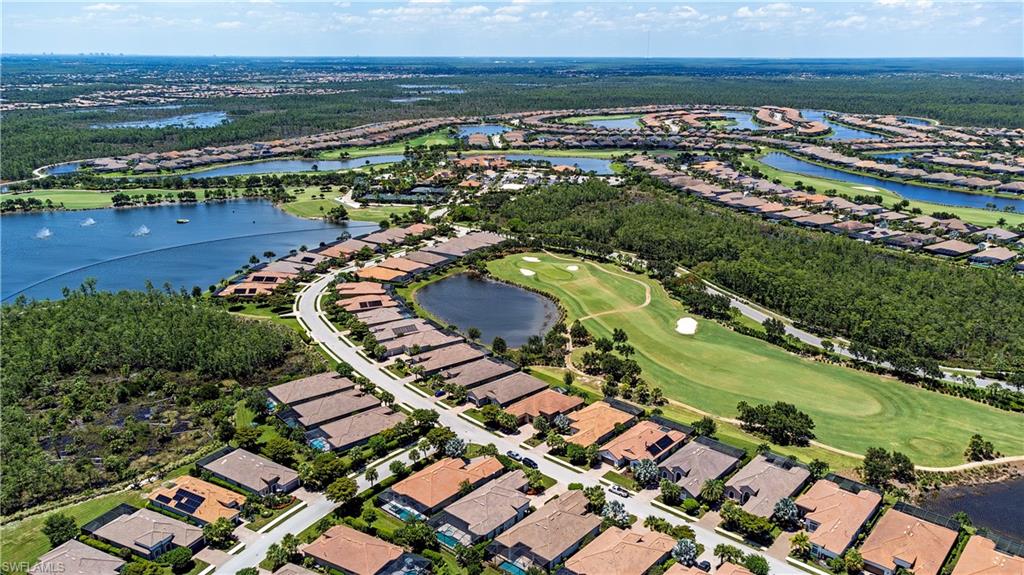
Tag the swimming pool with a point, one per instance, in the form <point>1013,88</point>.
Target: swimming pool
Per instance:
<point>320,444</point>
<point>510,567</point>
<point>447,540</point>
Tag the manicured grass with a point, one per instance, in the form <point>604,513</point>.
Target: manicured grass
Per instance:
<point>716,368</point>
<point>253,310</point>
<point>309,204</point>
<point>261,522</point>
<point>573,153</point>
<point>24,540</point>
<point>86,199</point>
<point>620,480</point>
<point>588,119</point>
<point>978,216</point>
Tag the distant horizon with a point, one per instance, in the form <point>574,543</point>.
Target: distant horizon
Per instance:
<point>489,56</point>
<point>864,29</point>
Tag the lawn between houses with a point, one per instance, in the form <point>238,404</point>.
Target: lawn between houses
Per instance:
<point>716,368</point>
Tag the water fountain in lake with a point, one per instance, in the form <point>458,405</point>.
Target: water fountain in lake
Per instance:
<point>140,231</point>
<point>43,234</point>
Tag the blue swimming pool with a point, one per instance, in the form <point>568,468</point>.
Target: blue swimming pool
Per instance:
<point>320,444</point>
<point>447,540</point>
<point>510,567</point>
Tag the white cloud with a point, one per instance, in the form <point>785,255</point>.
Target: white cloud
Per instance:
<point>855,21</point>
<point>976,21</point>
<point>103,7</point>
<point>510,10</point>
<point>228,25</point>
<point>471,10</point>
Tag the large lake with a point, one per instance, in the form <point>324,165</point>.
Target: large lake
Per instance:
<point>742,121</point>
<point>909,191</point>
<point>496,308</point>
<point>290,166</point>
<point>123,248</point>
<point>997,506</point>
<point>488,129</point>
<point>197,120</point>
<point>630,123</point>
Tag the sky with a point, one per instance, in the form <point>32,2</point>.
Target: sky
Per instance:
<point>518,28</point>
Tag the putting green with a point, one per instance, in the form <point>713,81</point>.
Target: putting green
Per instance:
<point>716,368</point>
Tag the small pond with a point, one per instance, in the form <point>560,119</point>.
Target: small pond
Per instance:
<point>628,123</point>
<point>997,506</point>
<point>742,121</point>
<point>488,129</point>
<point>600,166</point>
<point>496,308</point>
<point>197,120</point>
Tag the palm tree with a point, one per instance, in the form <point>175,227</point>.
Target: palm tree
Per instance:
<point>712,491</point>
<point>371,475</point>
<point>800,544</point>
<point>728,553</point>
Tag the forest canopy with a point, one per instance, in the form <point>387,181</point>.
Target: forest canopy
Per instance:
<point>100,386</point>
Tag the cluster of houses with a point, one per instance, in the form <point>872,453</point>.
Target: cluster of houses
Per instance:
<point>946,178</point>
<point>367,135</point>
<point>175,514</point>
<point>865,222</point>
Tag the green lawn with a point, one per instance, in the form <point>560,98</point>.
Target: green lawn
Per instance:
<point>309,204</point>
<point>979,216</point>
<point>87,199</point>
<point>716,368</point>
<point>438,138</point>
<point>588,119</point>
<point>24,540</point>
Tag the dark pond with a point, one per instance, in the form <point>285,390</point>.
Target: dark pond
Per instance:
<point>600,166</point>
<point>197,120</point>
<point>839,131</point>
<point>630,123</point>
<point>496,308</point>
<point>489,129</point>
<point>909,191</point>
<point>915,121</point>
<point>123,248</point>
<point>997,506</point>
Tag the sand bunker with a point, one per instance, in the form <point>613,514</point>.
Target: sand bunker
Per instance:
<point>531,259</point>
<point>686,326</point>
<point>866,188</point>
<point>527,272</point>
<point>572,268</point>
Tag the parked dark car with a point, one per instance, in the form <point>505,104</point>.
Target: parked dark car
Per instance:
<point>529,463</point>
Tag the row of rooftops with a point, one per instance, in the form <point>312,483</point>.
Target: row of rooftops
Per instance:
<point>816,211</point>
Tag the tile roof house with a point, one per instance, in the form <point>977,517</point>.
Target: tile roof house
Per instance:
<point>253,472</point>
<point>621,552</point>
<point>198,499</point>
<point>357,429</point>
<point>292,569</point>
<point>355,553</point>
<point>760,484</point>
<point>372,317</point>
<point>595,422</point>
<point>485,512</point>
<point>351,289</point>
<point>993,256</point>
<point>550,534</point>
<point>309,388</point>
<point>951,248</point>
<point>149,534</point>
<point>366,302</point>
<point>424,340</point>
<point>548,403</point>
<point>645,440</point>
<point>732,569</point>
<point>834,517</point>
<point>980,557</point>
<point>901,540</point>
<point>347,248</point>
<point>76,558</point>
<point>477,372</point>
<point>698,462</point>
<point>506,390</point>
<point>329,408</point>
<point>438,484</point>
<point>446,357</point>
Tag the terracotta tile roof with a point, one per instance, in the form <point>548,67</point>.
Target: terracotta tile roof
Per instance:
<point>980,557</point>
<point>403,265</point>
<point>645,440</point>
<point>440,481</point>
<point>731,569</point>
<point>679,569</point>
<point>353,551</point>
<point>547,403</point>
<point>915,542</point>
<point>594,422</point>
<point>839,514</point>
<point>951,247</point>
<point>291,569</point>
<point>621,552</point>
<point>351,289</point>
<point>347,248</point>
<point>216,501</point>
<point>380,274</point>
<point>76,558</point>
<point>552,529</point>
<point>311,387</point>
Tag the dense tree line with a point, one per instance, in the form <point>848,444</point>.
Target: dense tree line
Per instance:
<point>38,137</point>
<point>902,304</point>
<point>100,386</point>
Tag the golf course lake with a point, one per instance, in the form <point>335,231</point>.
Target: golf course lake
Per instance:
<point>910,191</point>
<point>839,131</point>
<point>124,248</point>
<point>600,166</point>
<point>742,121</point>
<point>197,120</point>
<point>488,129</point>
<point>630,123</point>
<point>290,166</point>
<point>496,308</point>
<point>997,506</point>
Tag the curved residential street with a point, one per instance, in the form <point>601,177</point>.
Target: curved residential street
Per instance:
<point>321,331</point>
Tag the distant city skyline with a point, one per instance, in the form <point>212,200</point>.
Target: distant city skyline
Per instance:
<point>519,28</point>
